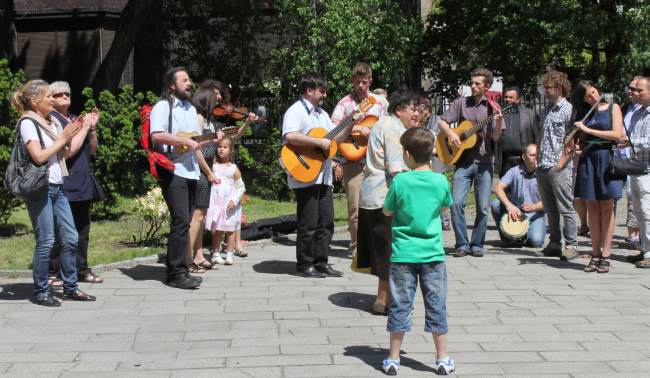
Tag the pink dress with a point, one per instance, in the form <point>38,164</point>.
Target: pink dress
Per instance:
<point>218,218</point>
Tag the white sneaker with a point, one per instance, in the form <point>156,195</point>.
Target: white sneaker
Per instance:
<point>229,260</point>
<point>217,259</point>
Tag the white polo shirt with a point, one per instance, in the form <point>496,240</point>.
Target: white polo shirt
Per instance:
<point>302,116</point>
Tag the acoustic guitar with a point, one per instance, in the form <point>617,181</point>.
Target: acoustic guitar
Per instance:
<point>227,131</point>
<point>354,147</point>
<point>304,163</point>
<point>448,153</point>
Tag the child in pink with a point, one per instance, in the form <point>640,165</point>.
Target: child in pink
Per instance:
<point>224,211</point>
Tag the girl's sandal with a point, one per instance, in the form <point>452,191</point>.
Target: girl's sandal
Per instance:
<point>195,269</point>
<point>604,266</point>
<point>205,264</point>
<point>593,265</point>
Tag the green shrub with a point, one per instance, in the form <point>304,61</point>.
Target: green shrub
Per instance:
<point>120,164</point>
<point>9,82</point>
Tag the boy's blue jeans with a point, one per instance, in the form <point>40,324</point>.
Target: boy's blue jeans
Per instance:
<point>403,281</point>
<point>50,214</point>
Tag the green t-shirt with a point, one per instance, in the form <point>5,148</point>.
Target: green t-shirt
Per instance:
<point>416,198</point>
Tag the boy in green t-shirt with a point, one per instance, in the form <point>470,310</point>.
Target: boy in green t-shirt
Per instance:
<point>415,199</point>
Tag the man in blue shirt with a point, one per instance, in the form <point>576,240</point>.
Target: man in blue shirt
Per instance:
<point>179,186</point>
<point>523,199</point>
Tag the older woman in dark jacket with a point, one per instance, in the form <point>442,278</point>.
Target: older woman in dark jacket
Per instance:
<point>78,186</point>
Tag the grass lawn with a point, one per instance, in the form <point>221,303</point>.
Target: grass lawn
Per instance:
<point>109,239</point>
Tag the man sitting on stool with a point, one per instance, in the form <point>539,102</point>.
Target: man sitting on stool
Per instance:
<point>523,199</point>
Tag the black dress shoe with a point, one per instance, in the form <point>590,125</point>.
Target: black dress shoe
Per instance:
<point>47,300</point>
<point>328,270</point>
<point>194,278</point>
<point>310,272</point>
<point>78,295</point>
<point>182,282</point>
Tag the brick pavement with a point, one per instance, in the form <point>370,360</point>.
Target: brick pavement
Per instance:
<point>510,313</point>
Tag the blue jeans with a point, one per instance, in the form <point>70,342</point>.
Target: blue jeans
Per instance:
<point>465,175</point>
<point>50,214</point>
<point>403,282</point>
<point>536,226</point>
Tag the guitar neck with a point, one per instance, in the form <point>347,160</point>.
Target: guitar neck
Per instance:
<point>479,126</point>
<point>347,121</point>
<point>228,131</point>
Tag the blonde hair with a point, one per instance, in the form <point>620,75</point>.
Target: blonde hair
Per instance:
<point>557,79</point>
<point>33,89</point>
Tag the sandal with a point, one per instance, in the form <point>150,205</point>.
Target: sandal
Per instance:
<point>195,269</point>
<point>241,253</point>
<point>604,266</point>
<point>594,265</point>
<point>54,282</point>
<point>91,278</point>
<point>205,264</point>
<point>583,231</point>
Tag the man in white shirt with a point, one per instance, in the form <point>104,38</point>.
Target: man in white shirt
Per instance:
<point>315,209</point>
<point>179,186</point>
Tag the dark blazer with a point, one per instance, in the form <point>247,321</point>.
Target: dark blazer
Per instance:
<point>77,186</point>
<point>528,129</point>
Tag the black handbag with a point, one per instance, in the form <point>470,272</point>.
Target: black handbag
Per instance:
<point>621,167</point>
<point>98,191</point>
<point>24,178</point>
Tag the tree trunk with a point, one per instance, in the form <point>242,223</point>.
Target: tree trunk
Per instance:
<point>132,23</point>
<point>6,28</point>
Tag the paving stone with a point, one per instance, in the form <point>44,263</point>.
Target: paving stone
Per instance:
<point>510,314</point>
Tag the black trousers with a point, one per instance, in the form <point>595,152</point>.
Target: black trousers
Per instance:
<point>179,194</point>
<point>81,216</point>
<point>315,225</point>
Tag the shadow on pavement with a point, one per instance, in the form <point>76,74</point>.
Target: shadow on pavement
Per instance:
<point>146,273</point>
<point>275,267</point>
<point>374,356</point>
<point>17,291</point>
<point>357,301</point>
<point>552,262</point>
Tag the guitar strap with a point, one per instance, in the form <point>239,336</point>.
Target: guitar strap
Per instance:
<point>169,123</point>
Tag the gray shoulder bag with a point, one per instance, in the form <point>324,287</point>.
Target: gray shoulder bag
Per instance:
<point>24,178</point>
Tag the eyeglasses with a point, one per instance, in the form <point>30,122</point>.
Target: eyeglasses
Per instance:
<point>634,89</point>
<point>59,95</point>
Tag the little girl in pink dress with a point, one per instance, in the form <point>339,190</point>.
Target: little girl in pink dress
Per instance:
<point>224,211</point>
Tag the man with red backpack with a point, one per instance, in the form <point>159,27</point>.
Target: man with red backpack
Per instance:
<point>173,114</point>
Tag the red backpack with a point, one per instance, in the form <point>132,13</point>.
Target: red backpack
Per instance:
<point>155,158</point>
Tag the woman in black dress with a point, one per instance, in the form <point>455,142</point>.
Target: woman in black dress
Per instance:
<point>207,97</point>
<point>593,183</point>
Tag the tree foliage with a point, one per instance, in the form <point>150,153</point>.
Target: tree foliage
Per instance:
<point>606,41</point>
<point>329,37</point>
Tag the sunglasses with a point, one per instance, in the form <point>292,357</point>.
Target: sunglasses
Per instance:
<point>59,95</point>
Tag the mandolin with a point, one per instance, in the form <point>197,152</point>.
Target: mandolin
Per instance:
<point>228,132</point>
<point>448,153</point>
<point>304,163</point>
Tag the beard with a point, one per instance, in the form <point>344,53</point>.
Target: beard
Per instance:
<point>183,95</point>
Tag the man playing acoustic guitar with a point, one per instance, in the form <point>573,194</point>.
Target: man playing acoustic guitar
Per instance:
<point>315,209</point>
<point>353,169</point>
<point>475,164</point>
<point>179,186</point>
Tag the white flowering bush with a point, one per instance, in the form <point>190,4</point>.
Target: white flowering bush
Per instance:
<point>152,211</point>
